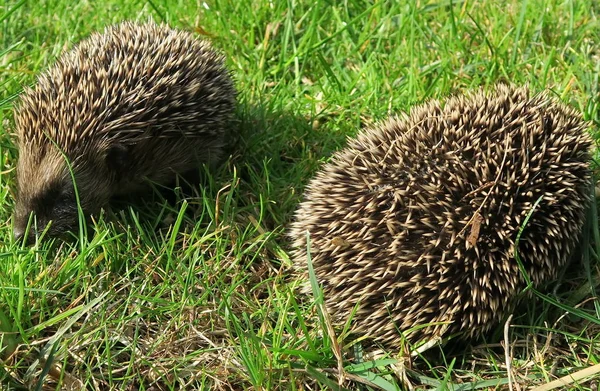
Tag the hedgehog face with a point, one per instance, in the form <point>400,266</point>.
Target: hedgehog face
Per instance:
<point>47,196</point>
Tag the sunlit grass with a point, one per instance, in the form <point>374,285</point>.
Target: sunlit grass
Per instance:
<point>196,293</point>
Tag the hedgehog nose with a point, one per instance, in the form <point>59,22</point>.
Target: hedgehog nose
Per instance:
<point>18,233</point>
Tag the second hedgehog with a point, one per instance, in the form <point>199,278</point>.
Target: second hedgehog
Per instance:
<point>137,103</point>
<point>413,227</point>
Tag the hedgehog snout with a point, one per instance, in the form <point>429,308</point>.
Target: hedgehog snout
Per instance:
<point>23,230</point>
<point>55,221</point>
<point>53,209</point>
<point>20,220</point>
<point>18,232</point>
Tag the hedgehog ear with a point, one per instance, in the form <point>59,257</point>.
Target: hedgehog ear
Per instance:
<point>117,157</point>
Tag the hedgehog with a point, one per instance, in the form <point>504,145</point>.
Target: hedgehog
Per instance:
<point>134,105</point>
<point>413,227</point>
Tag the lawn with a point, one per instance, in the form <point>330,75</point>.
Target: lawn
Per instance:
<point>195,291</point>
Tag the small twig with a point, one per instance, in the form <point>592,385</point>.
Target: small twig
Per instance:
<point>480,188</point>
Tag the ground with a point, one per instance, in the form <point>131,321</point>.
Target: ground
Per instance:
<point>197,293</point>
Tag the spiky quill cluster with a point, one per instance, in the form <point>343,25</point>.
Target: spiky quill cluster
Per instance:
<point>136,103</point>
<point>415,222</point>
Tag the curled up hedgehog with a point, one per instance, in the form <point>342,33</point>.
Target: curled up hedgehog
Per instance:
<point>413,226</point>
<point>136,103</point>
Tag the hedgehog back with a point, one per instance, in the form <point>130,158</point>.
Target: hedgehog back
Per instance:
<point>415,222</point>
<point>130,83</point>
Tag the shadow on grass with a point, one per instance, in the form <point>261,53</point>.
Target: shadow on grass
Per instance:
<point>273,154</point>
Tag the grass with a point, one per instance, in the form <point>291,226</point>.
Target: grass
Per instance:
<point>197,294</point>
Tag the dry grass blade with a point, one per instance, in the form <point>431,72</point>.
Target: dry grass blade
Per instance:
<point>569,379</point>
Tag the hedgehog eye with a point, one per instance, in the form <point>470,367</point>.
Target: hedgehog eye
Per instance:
<point>63,202</point>
<point>63,198</point>
<point>117,157</point>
